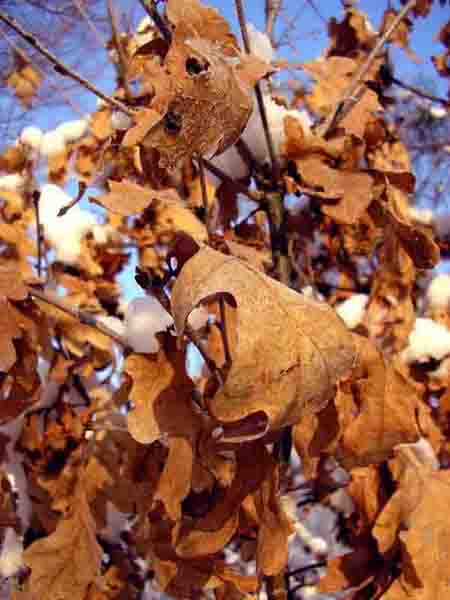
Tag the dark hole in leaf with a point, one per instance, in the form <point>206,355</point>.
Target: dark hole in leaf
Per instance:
<point>172,123</point>
<point>195,67</point>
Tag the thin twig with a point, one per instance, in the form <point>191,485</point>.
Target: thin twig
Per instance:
<point>61,67</point>
<point>36,198</point>
<point>201,170</point>
<point>258,93</point>
<point>347,100</point>
<point>150,7</point>
<point>224,333</point>
<point>272,10</point>
<point>82,187</point>
<point>419,92</point>
<point>51,83</point>
<point>90,23</point>
<point>83,317</point>
<point>239,187</point>
<point>122,66</point>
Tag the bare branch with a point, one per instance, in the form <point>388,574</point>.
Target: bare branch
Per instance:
<point>60,67</point>
<point>98,36</point>
<point>83,317</point>
<point>36,198</point>
<point>272,10</point>
<point>122,65</point>
<point>353,91</point>
<point>81,189</point>
<point>418,92</point>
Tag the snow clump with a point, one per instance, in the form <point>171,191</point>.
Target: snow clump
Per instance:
<point>144,317</point>
<point>438,293</point>
<point>11,183</point>
<point>63,233</point>
<point>352,310</point>
<point>427,340</point>
<point>11,555</point>
<point>32,137</point>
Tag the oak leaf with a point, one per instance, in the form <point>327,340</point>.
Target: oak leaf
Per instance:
<point>127,198</point>
<point>65,563</point>
<point>416,513</point>
<point>312,345</point>
<point>161,393</point>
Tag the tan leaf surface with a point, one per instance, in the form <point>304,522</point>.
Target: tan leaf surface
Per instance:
<point>144,121</point>
<point>216,91</point>
<point>175,481</point>
<point>198,20</point>
<point>313,347</point>
<point>388,411</point>
<point>170,217</point>
<point>418,508</point>
<point>352,191</point>
<point>127,198</point>
<point>161,393</point>
<point>65,563</point>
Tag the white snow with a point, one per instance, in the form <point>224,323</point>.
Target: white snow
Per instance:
<point>53,142</point>
<point>260,44</point>
<point>63,233</point>
<point>31,136</point>
<point>144,318</point>
<point>427,340</point>
<point>424,452</point>
<point>72,131</point>
<point>11,555</point>
<point>352,310</point>
<point>113,323</point>
<point>424,216</point>
<point>254,135</point>
<point>438,293</point>
<point>120,120</point>
<point>438,112</point>
<point>11,183</point>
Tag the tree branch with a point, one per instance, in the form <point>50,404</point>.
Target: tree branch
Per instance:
<point>122,66</point>
<point>61,67</point>
<point>83,317</point>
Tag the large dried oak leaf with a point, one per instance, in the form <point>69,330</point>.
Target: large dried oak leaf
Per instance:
<point>290,350</point>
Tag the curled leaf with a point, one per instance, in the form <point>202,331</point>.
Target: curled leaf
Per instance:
<point>312,345</point>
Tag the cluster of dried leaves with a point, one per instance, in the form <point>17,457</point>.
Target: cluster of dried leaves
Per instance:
<point>199,466</point>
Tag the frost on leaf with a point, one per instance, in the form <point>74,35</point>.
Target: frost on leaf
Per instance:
<point>312,345</point>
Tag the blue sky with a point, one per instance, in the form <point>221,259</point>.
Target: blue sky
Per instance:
<point>310,38</point>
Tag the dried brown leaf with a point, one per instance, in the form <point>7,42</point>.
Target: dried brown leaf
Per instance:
<point>65,563</point>
<point>312,345</point>
<point>127,198</point>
